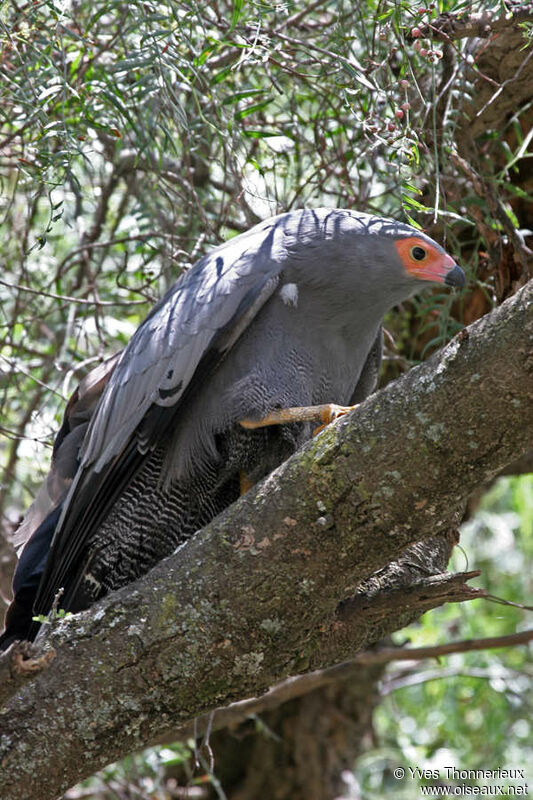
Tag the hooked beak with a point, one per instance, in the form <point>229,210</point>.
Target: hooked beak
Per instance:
<point>455,277</point>
<point>447,272</point>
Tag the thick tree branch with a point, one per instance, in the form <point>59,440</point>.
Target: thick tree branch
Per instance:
<point>253,597</point>
<point>430,593</point>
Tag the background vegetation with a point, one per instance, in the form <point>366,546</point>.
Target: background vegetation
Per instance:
<point>134,136</point>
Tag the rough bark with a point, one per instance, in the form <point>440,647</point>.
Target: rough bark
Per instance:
<point>192,636</point>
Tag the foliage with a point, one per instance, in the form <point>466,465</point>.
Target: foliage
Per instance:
<point>133,136</point>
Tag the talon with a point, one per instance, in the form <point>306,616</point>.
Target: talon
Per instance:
<point>329,413</point>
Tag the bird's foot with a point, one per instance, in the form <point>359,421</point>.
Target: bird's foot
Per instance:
<point>329,412</point>
<point>325,413</point>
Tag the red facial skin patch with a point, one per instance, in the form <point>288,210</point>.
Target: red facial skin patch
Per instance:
<point>423,260</point>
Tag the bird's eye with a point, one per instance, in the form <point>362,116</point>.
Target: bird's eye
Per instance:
<point>418,253</point>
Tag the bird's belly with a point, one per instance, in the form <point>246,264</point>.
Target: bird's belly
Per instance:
<point>273,366</point>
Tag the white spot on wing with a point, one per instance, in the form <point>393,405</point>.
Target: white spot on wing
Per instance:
<point>289,294</point>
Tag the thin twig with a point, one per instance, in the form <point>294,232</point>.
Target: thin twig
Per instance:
<point>386,654</point>
<point>68,299</point>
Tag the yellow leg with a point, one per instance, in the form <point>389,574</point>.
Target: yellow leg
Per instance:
<point>326,413</point>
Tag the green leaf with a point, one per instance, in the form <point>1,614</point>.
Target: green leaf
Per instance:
<point>221,76</point>
<point>414,223</point>
<point>256,165</point>
<point>412,188</point>
<point>236,96</point>
<point>245,112</point>
<point>52,90</point>
<point>237,12</point>
<point>251,134</point>
<point>358,75</point>
<point>410,201</point>
<point>204,55</point>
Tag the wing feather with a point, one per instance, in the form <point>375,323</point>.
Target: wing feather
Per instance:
<point>181,341</point>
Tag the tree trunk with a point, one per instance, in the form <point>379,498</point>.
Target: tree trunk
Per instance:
<point>300,750</point>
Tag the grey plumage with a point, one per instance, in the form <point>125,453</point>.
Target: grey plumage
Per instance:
<point>200,313</point>
<point>287,314</point>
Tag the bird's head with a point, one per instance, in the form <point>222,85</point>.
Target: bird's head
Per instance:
<point>382,260</point>
<point>425,260</point>
<point>390,261</point>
